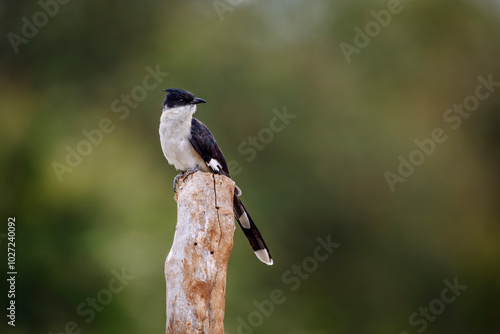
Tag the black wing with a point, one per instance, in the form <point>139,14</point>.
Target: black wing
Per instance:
<point>204,143</point>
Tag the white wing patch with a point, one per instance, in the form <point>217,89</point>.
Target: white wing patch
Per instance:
<point>215,165</point>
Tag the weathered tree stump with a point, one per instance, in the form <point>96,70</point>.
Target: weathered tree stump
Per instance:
<point>195,269</point>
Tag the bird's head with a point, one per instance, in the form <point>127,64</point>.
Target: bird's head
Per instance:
<point>180,98</point>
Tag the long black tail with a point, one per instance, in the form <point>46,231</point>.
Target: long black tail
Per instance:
<point>251,231</point>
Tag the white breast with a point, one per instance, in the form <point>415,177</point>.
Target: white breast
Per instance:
<point>175,132</point>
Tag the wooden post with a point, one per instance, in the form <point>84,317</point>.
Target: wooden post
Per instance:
<point>195,269</point>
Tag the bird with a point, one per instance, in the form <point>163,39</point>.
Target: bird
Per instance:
<point>189,146</point>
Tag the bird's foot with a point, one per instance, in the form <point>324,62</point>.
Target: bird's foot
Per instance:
<point>184,174</point>
<point>191,171</point>
<point>177,180</point>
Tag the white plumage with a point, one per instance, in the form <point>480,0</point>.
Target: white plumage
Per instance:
<point>215,165</point>
<point>175,132</point>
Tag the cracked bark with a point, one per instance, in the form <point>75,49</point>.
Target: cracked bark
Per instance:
<point>195,269</point>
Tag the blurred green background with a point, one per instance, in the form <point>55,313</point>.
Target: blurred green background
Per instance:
<point>322,175</point>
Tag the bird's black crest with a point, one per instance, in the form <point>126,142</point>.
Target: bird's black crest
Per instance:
<point>177,97</point>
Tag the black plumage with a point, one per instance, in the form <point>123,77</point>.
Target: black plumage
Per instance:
<point>205,144</point>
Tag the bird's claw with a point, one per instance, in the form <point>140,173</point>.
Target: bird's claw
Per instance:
<point>184,174</point>
<point>191,171</point>
<point>177,180</point>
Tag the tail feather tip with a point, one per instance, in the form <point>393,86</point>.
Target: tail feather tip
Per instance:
<point>264,256</point>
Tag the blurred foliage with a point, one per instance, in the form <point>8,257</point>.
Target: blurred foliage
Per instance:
<point>323,175</point>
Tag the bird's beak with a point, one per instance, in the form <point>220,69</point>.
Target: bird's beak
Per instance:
<point>198,100</point>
